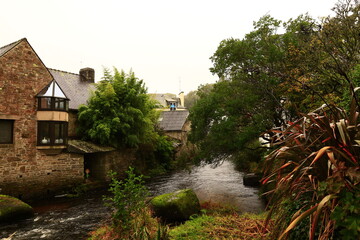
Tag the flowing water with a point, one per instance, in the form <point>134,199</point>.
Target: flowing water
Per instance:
<point>222,184</point>
<point>73,219</point>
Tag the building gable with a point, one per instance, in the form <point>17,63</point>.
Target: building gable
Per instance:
<point>22,76</point>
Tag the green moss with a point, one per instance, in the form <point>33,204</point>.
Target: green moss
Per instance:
<point>176,206</point>
<point>197,228</point>
<point>12,209</point>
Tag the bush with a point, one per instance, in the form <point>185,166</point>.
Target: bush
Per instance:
<point>347,216</point>
<point>317,167</point>
<point>132,217</point>
<point>128,198</point>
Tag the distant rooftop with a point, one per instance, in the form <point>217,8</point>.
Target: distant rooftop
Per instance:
<point>165,99</point>
<point>173,120</point>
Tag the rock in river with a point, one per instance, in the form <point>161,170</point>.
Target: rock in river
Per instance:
<point>252,180</point>
<point>12,209</point>
<point>177,206</point>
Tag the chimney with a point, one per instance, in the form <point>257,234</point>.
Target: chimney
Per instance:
<point>182,99</point>
<point>87,75</point>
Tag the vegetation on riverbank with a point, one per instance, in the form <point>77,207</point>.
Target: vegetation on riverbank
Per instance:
<point>269,86</point>
<point>298,90</point>
<point>214,222</point>
<point>221,222</point>
<point>132,218</point>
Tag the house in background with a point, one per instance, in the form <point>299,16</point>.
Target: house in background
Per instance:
<point>165,100</point>
<point>38,112</point>
<point>175,124</point>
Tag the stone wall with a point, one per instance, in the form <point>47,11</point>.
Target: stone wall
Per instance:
<point>25,170</point>
<point>42,177</point>
<point>100,164</point>
<point>72,124</point>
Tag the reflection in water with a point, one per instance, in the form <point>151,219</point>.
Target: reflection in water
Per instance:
<point>222,184</point>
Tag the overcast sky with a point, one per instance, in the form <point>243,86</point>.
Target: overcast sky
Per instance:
<point>167,43</point>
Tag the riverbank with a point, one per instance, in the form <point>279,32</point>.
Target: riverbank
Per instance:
<point>222,222</point>
<point>63,218</point>
<point>214,222</point>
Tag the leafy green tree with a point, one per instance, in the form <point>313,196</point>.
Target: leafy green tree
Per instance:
<point>119,113</point>
<point>269,78</point>
<point>193,96</point>
<point>245,101</point>
<point>190,99</point>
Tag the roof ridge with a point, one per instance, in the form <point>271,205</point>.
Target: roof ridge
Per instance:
<point>13,43</point>
<point>63,71</point>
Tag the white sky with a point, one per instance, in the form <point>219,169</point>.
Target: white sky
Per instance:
<point>167,43</point>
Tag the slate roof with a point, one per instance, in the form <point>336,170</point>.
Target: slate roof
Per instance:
<point>163,97</point>
<point>76,90</point>
<point>6,48</point>
<point>173,120</point>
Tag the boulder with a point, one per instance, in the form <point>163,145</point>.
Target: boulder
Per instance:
<point>177,206</point>
<point>12,209</point>
<point>251,180</point>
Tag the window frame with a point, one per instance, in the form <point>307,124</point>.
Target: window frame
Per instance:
<point>53,104</point>
<point>11,133</point>
<point>52,129</point>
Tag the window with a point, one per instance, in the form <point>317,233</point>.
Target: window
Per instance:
<point>53,104</point>
<point>52,133</point>
<point>6,131</point>
<point>52,98</point>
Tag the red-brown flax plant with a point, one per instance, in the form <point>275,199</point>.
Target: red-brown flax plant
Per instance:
<point>315,165</point>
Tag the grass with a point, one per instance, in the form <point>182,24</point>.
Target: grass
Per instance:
<point>214,222</point>
<point>221,222</point>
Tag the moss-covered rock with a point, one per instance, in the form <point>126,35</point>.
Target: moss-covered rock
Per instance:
<point>12,209</point>
<point>176,206</point>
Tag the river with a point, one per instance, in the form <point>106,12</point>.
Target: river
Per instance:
<point>74,219</point>
<point>221,184</point>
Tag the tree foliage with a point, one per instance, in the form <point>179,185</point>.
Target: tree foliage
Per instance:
<point>119,113</point>
<point>192,97</point>
<point>268,78</point>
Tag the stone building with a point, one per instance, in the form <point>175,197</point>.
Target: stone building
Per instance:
<point>38,109</point>
<point>175,124</point>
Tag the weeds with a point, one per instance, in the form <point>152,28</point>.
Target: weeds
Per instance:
<point>132,217</point>
<point>219,222</point>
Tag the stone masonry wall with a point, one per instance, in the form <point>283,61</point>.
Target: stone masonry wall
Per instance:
<point>72,124</point>
<point>26,171</point>
<point>101,163</point>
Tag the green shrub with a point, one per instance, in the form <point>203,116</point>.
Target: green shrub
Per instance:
<point>128,197</point>
<point>347,216</point>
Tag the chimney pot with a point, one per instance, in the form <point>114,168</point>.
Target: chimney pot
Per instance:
<point>87,75</point>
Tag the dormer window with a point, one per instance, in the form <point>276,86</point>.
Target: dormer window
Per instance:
<point>52,98</point>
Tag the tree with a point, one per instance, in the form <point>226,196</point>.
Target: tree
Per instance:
<point>190,99</point>
<point>245,101</point>
<point>193,96</point>
<point>119,113</point>
<point>269,78</point>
